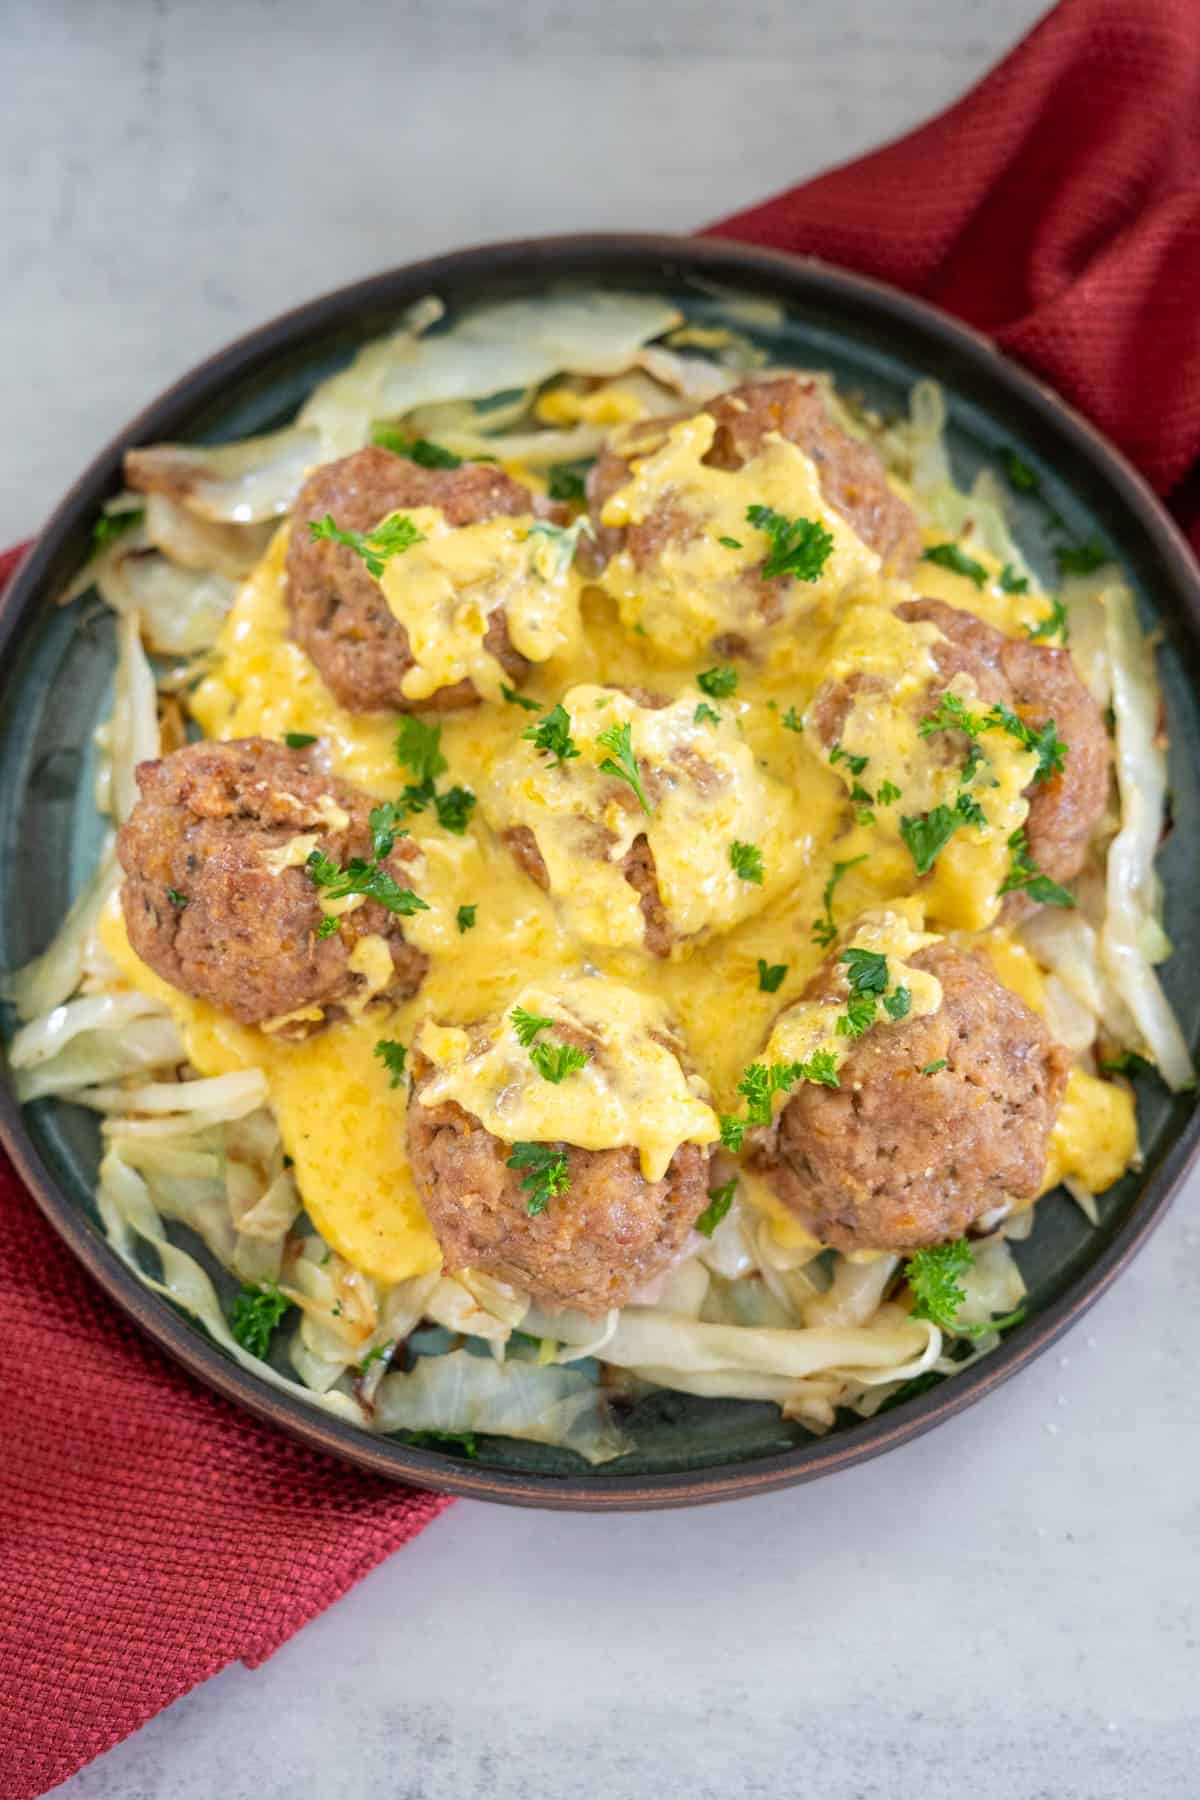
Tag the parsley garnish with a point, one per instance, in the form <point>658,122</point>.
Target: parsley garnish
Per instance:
<point>730,543</point>
<point>389,538</point>
<point>950,714</point>
<point>567,481</point>
<point>1021,477</point>
<point>718,683</point>
<point>527,1025</point>
<point>176,898</point>
<point>791,720</point>
<point>1011,582</point>
<point>864,801</point>
<point>114,525</point>
<point>823,929</point>
<point>327,927</point>
<point>384,821</point>
<point>465,918</point>
<point>1055,624</point>
<point>419,748</point>
<point>454,809</point>
<point>933,1067</point>
<point>800,548</point>
<point>867,976</point>
<point>565,536</point>
<point>898,1002</point>
<point>554,1062</point>
<point>933,1277</point>
<point>418,450</point>
<point>514,699</point>
<point>1082,559</point>
<point>746,861</point>
<point>299,740</point>
<point>392,1054</point>
<point>254,1315</point>
<point>888,792</point>
<point>549,1174</point>
<point>770,976</point>
<point>704,712</point>
<point>429,1439</point>
<point>1128,1062</point>
<point>928,833</point>
<point>1024,873</point>
<point>855,764</point>
<point>952,556</point>
<point>858,1017</point>
<point>760,1083</point>
<point>720,1200</point>
<point>358,877</point>
<point>381,1353</point>
<point>552,735</point>
<point>622,763</point>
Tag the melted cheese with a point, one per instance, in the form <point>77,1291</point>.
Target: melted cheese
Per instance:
<point>341,1119</point>
<point>631,1091</point>
<point>699,588</point>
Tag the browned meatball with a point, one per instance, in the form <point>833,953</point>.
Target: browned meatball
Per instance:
<point>608,1234</point>
<point>853,479</point>
<point>338,611</point>
<point>238,933</point>
<point>1039,683</point>
<point>895,1159</point>
<point>637,865</point>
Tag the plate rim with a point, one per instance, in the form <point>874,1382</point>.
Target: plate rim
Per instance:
<point>567,256</point>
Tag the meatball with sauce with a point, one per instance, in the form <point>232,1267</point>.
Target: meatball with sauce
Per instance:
<point>218,899</point>
<point>937,1121</point>
<point>853,479</point>
<point>339,615</point>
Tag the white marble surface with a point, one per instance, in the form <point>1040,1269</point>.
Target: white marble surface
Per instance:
<point>1005,1611</point>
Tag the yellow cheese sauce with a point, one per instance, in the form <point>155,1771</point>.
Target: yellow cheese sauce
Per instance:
<point>340,1117</point>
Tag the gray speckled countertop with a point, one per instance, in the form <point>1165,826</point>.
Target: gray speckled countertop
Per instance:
<point>1006,1610</point>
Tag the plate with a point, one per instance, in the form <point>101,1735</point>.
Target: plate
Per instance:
<point>58,664</point>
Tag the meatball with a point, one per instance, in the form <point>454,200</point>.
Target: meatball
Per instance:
<point>853,479</point>
<point>217,900</point>
<point>1040,683</point>
<point>607,1234</point>
<point>896,1158</point>
<point>339,615</point>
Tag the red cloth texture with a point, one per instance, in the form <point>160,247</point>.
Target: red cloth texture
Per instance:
<point>149,1533</point>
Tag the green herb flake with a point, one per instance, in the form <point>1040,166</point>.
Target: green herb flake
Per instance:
<point>358,877</point>
<point>719,682</point>
<point>888,794</point>
<point>178,900</point>
<point>568,481</point>
<point>1025,874</point>
<point>392,1055</point>
<point>898,1003</point>
<point>800,548</point>
<point>465,917</point>
<point>704,714</point>
<point>770,976</point>
<point>114,525</point>
<point>454,809</point>
<point>548,1174</point>
<point>855,764</point>
<point>824,930</point>
<point>720,1199</point>
<point>927,834</point>
<point>1054,625</point>
<point>512,698</point>
<point>730,543</point>
<point>255,1314</point>
<point>1011,582</point>
<point>299,740</point>
<point>792,721</point>
<point>554,1062</point>
<point>527,1025</point>
<point>391,537</point>
<point>418,450</point>
<point>746,862</point>
<point>1021,477</point>
<point>952,556</point>
<point>932,1068</point>
<point>933,1278</point>
<point>552,735</point>
<point>419,748</point>
<point>1082,559</point>
<point>622,763</point>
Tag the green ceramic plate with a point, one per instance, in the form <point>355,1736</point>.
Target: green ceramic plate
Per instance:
<point>57,671</point>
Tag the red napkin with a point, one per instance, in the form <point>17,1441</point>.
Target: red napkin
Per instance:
<point>149,1533</point>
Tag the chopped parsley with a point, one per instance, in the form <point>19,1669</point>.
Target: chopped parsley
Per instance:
<point>927,834</point>
<point>552,735</point>
<point>391,537</point>
<point>824,930</point>
<point>622,763</point>
<point>932,1068</point>
<point>730,543</point>
<point>327,927</point>
<point>1127,1062</point>
<point>800,548</point>
<point>419,748</point>
<point>1055,623</point>
<point>933,1277</point>
<point>566,537</point>
<point>864,800</point>
<point>1011,582</point>
<point>428,1439</point>
<point>897,1003</point>
<point>176,898</point>
<point>866,970</point>
<point>418,450</point>
<point>567,481</point>
<point>1021,478</point>
<point>512,698</point>
<point>1082,559</point>
<point>761,1082</point>
<point>454,809</point>
<point>855,764</point>
<point>791,720</point>
<point>255,1313</point>
<point>114,525</point>
<point>548,1174</point>
<point>554,1062</point>
<point>299,740</point>
<point>770,976</point>
<point>867,977</point>
<point>465,918</point>
<point>358,877</point>
<point>888,793</point>
<point>720,1199</point>
<point>1024,873</point>
<point>392,1055</point>
<point>950,714</point>
<point>381,1353</point>
<point>704,713</point>
<point>718,683</point>
<point>953,556</point>
<point>527,1025</point>
<point>746,861</point>
<point>858,1017</point>
<point>384,821</point>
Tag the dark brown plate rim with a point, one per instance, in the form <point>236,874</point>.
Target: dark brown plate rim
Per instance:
<point>606,255</point>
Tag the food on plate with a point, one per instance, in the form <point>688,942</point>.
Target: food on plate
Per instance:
<point>625,879</point>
